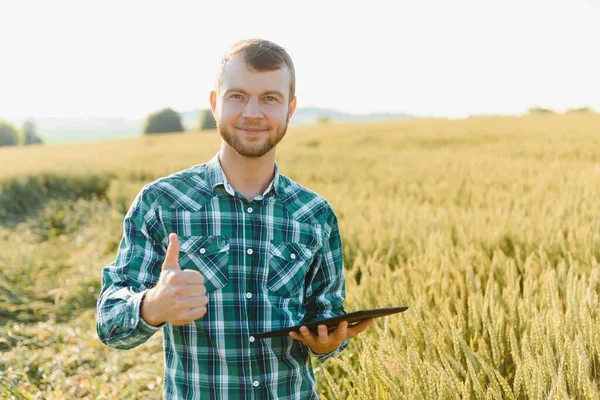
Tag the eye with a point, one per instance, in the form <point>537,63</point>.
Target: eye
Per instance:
<point>270,99</point>
<point>236,96</point>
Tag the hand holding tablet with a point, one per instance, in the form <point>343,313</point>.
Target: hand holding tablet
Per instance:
<point>353,318</point>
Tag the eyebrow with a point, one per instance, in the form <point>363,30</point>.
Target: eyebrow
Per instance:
<point>267,93</point>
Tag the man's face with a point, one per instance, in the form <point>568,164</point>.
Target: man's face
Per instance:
<point>252,108</point>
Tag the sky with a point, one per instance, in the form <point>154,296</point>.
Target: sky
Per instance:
<point>428,58</point>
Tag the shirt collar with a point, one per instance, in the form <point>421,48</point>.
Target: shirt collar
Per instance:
<point>216,177</point>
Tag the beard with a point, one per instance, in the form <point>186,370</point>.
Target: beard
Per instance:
<point>248,150</point>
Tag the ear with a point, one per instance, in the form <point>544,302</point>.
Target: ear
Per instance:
<point>292,108</point>
<point>213,101</point>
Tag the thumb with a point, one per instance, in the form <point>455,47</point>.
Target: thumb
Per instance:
<point>172,257</point>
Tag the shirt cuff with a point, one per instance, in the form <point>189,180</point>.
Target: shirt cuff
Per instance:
<point>134,318</point>
<point>323,357</point>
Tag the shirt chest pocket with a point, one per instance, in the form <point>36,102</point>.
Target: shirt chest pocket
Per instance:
<point>209,255</point>
<point>288,265</point>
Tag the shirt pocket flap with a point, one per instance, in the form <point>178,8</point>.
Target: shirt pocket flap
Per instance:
<point>204,244</point>
<point>289,262</point>
<point>210,256</point>
<point>291,251</point>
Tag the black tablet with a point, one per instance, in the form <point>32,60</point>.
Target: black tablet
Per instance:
<point>332,323</point>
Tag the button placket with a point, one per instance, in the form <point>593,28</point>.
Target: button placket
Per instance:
<point>250,262</point>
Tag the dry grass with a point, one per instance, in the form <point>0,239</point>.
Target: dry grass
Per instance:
<point>488,228</point>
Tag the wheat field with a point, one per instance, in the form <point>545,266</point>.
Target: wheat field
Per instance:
<point>487,228</point>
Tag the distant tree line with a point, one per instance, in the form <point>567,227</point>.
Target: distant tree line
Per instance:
<point>168,120</point>
<point>11,136</point>
<point>545,111</point>
<point>542,110</point>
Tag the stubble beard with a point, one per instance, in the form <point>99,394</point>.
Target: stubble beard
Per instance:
<point>248,151</point>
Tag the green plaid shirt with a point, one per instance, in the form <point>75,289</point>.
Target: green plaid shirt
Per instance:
<point>269,263</point>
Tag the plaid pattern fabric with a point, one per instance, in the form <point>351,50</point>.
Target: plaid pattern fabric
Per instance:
<point>269,263</point>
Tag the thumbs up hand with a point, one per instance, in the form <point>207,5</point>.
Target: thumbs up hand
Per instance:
<point>179,297</point>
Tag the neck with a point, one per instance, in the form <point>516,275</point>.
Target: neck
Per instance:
<point>248,175</point>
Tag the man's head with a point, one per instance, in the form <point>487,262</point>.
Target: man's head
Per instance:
<point>254,96</point>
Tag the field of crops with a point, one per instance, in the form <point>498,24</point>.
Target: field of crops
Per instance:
<point>487,228</point>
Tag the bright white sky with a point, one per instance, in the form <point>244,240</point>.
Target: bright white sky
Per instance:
<point>430,58</point>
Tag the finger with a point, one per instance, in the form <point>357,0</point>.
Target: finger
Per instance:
<point>341,331</point>
<point>183,291</point>
<point>197,301</point>
<point>195,313</point>
<point>296,336</point>
<point>358,328</point>
<point>307,337</point>
<point>323,334</point>
<point>191,276</point>
<point>191,290</point>
<point>172,257</point>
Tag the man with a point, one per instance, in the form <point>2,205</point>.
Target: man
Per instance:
<point>222,251</point>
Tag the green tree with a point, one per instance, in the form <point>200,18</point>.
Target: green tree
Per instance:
<point>163,121</point>
<point>9,136</point>
<point>29,133</point>
<point>206,120</point>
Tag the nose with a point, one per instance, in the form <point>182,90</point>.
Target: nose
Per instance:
<point>252,109</point>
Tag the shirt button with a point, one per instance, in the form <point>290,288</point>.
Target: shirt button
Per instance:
<point>250,210</point>
<point>248,295</point>
<point>202,250</point>
<point>251,339</point>
<point>249,251</point>
<point>255,383</point>
<point>293,256</point>
<point>132,321</point>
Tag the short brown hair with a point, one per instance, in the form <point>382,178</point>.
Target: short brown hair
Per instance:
<point>260,55</point>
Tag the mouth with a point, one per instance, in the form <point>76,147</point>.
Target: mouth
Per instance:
<point>251,130</point>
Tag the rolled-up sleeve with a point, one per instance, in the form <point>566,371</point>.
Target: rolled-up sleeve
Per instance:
<point>326,291</point>
<point>126,280</point>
